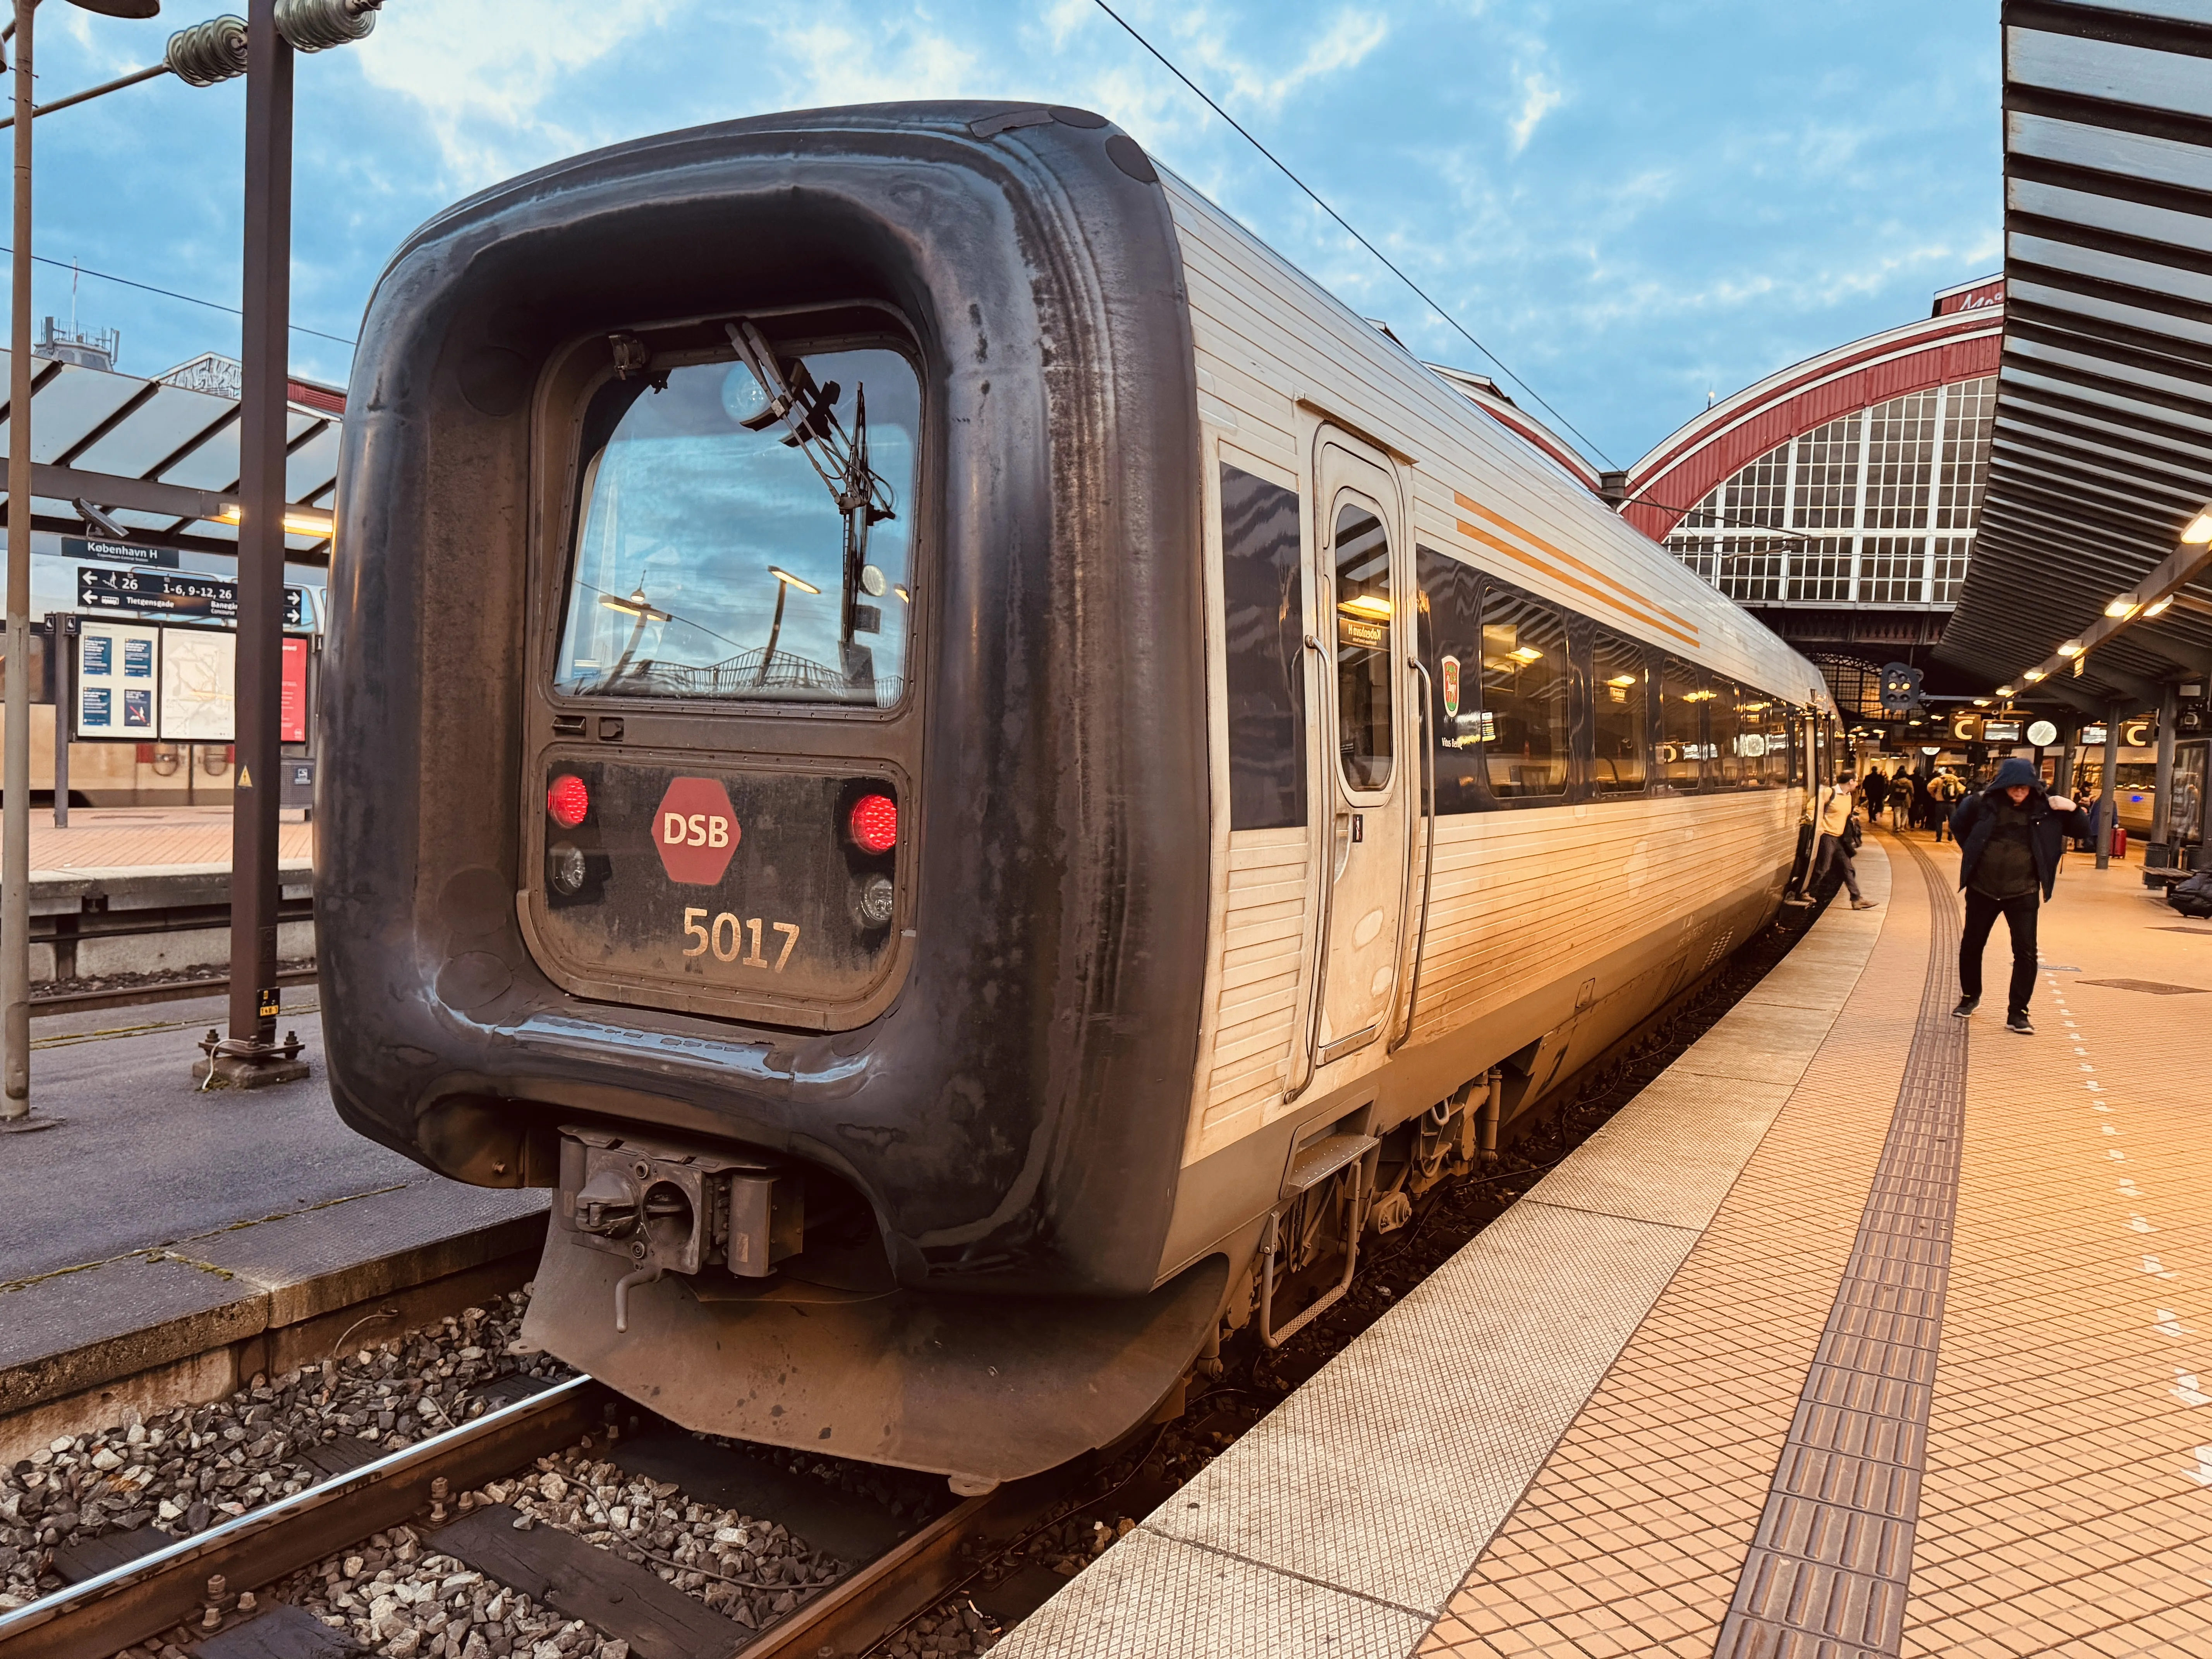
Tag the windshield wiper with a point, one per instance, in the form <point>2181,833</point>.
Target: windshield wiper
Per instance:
<point>809,413</point>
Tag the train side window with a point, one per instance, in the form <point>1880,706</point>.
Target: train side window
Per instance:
<point>1263,617</point>
<point>1682,697</point>
<point>1769,765</point>
<point>712,559</point>
<point>1724,735</point>
<point>1620,694</point>
<point>1524,695</point>
<point>1450,644</point>
<point>1365,682</point>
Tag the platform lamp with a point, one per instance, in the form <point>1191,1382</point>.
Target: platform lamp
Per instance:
<point>16,777</point>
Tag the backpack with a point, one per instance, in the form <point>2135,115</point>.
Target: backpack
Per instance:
<point>2193,897</point>
<point>1853,836</point>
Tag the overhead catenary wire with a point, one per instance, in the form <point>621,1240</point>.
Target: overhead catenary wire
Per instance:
<point>170,293</point>
<point>1387,262</point>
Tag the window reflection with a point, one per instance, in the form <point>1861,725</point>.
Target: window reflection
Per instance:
<point>1682,697</point>
<point>1363,679</point>
<point>1524,697</point>
<point>1723,712</point>
<point>714,562</point>
<point>1619,696</point>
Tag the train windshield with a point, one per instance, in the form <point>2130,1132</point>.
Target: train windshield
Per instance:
<point>730,550</point>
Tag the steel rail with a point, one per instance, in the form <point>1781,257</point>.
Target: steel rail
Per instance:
<point>138,996</point>
<point>142,1598</point>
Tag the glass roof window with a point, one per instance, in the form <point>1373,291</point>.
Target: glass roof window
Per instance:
<point>1841,514</point>
<point>744,532</point>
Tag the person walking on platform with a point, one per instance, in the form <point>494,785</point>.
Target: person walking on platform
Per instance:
<point>1944,793</point>
<point>1832,823</point>
<point>1923,804</point>
<point>1875,792</point>
<point>2010,836</point>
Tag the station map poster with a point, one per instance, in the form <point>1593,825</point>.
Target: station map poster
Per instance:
<point>199,674</point>
<point>117,671</point>
<point>292,713</point>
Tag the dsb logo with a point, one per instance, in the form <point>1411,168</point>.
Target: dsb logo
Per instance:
<point>694,831</point>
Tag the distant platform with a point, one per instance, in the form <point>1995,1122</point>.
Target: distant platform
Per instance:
<point>118,839</point>
<point>1863,1330</point>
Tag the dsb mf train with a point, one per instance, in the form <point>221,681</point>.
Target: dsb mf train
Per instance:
<point>977,774</point>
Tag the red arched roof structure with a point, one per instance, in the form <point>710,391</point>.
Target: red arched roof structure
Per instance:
<point>1959,342</point>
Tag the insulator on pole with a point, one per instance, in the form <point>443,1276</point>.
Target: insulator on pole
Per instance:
<point>319,25</point>
<point>208,52</point>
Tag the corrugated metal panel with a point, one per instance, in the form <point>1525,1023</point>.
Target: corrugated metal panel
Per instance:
<point>2103,445</point>
<point>94,422</point>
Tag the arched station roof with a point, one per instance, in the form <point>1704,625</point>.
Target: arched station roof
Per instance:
<point>1959,341</point>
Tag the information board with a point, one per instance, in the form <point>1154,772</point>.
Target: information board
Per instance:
<point>117,673</point>
<point>162,593</point>
<point>83,547</point>
<point>199,675</point>
<point>292,710</point>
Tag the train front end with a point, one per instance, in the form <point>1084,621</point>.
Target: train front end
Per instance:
<point>766,790</point>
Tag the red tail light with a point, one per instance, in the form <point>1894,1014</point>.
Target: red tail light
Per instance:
<point>875,824</point>
<point>568,800</point>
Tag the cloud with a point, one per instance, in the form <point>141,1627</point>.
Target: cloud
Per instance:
<point>828,59</point>
<point>1345,44</point>
<point>1540,96</point>
<point>484,74</point>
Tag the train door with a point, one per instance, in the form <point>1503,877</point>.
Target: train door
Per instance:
<point>1367,779</point>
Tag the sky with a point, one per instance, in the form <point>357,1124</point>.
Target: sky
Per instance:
<point>1637,204</point>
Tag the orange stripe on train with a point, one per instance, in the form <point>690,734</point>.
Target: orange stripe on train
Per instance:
<point>1575,582</point>
<point>1560,553</point>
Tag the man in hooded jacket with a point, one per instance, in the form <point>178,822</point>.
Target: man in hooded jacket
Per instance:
<point>2009,838</point>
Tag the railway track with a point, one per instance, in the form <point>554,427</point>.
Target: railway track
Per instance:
<point>187,1589</point>
<point>152,991</point>
<point>65,932</point>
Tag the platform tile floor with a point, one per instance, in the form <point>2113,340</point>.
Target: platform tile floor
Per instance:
<point>2023,1464</point>
<point>149,838</point>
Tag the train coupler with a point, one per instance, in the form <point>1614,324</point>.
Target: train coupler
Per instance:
<point>667,1207</point>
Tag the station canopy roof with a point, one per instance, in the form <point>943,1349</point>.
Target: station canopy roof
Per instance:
<point>2102,454</point>
<point>159,458</point>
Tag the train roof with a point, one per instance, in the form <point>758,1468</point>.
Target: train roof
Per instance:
<point>1428,419</point>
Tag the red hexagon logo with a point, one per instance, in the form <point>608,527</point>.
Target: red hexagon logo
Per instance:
<point>694,831</point>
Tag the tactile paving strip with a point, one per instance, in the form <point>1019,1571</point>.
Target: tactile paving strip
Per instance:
<point>1826,1575</point>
